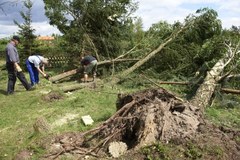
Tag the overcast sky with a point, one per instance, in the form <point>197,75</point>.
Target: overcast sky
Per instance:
<point>151,11</point>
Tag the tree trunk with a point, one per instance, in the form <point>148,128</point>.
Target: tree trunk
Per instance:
<point>77,86</point>
<point>228,90</point>
<point>205,91</point>
<point>63,75</point>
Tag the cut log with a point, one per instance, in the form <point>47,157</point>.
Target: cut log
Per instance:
<point>63,75</point>
<point>73,87</point>
<point>224,90</point>
<point>228,90</point>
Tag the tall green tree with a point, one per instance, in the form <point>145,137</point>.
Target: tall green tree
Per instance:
<point>94,25</point>
<point>26,30</point>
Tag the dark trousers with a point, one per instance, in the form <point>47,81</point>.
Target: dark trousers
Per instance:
<point>33,73</point>
<point>12,78</point>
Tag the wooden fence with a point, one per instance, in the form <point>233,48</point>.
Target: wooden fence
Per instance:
<point>58,61</point>
<point>54,61</point>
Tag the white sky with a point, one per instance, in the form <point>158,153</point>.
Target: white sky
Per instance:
<point>151,11</point>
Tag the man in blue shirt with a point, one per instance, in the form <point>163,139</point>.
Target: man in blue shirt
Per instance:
<point>13,66</point>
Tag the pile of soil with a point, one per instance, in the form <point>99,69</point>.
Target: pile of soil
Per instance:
<point>145,118</point>
<point>52,96</point>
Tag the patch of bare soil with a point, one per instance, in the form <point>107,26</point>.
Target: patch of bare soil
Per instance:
<point>52,96</point>
<point>23,155</point>
<point>218,142</point>
<point>145,118</point>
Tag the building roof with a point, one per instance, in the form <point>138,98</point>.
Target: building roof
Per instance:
<point>45,38</point>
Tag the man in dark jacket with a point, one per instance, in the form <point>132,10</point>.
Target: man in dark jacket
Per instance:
<point>89,64</point>
<point>13,66</point>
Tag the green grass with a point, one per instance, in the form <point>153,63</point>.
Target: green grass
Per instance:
<point>225,111</point>
<point>18,112</point>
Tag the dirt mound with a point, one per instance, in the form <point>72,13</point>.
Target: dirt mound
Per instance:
<point>52,96</point>
<point>218,141</point>
<point>23,155</point>
<point>142,118</point>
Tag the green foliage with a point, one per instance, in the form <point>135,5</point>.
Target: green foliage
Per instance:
<point>232,38</point>
<point>206,25</point>
<point>3,43</point>
<point>96,25</point>
<point>53,48</point>
<point>197,45</point>
<point>159,32</point>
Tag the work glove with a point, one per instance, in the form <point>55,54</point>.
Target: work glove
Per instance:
<point>46,76</point>
<point>18,69</point>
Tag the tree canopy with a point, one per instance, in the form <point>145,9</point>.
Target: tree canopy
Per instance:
<point>95,25</point>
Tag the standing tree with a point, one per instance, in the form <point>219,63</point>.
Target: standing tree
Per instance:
<point>26,30</point>
<point>93,25</point>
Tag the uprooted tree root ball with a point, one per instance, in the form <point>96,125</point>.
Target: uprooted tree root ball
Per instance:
<point>142,118</point>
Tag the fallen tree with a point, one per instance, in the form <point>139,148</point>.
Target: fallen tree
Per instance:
<point>204,93</point>
<point>152,53</point>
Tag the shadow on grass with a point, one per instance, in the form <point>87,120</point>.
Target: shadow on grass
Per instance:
<point>3,92</point>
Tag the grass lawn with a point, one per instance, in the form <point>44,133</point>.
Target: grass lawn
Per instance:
<point>19,111</point>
